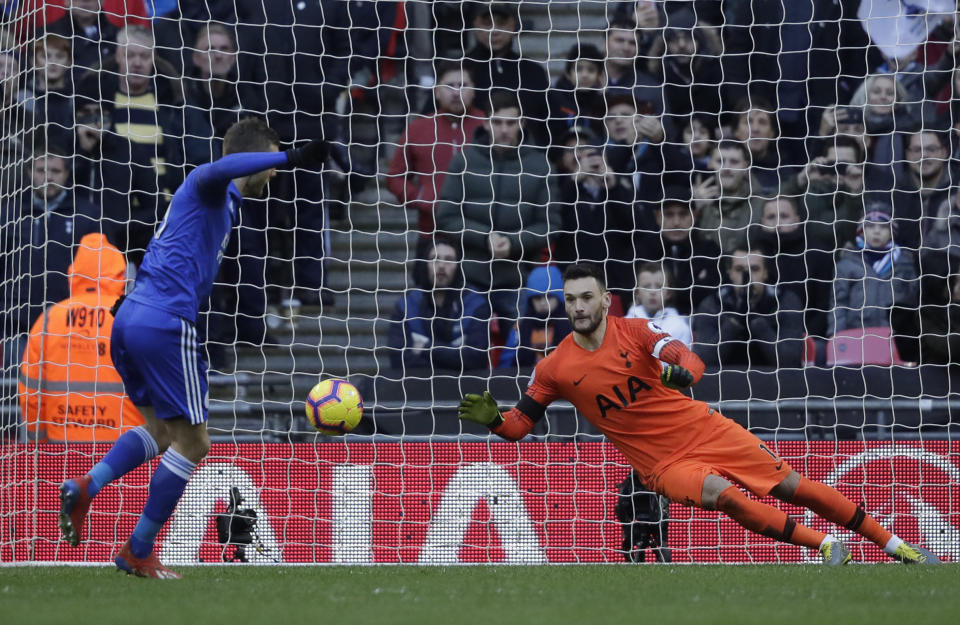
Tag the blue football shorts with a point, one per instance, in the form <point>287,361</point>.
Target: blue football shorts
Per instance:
<point>162,366</point>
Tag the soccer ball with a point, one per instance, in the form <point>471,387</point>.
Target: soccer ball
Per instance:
<point>334,407</point>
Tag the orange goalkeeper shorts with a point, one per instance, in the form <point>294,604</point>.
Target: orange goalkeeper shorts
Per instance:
<point>729,451</point>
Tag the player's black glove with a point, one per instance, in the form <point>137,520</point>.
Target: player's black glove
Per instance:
<point>310,156</point>
<point>676,377</point>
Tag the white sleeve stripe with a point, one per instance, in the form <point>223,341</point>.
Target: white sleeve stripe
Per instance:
<point>660,345</point>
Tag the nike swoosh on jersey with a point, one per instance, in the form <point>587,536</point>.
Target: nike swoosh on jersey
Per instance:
<point>577,382</point>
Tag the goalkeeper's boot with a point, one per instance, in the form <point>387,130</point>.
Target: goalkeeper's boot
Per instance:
<point>914,554</point>
<point>74,504</point>
<point>835,553</point>
<point>142,567</point>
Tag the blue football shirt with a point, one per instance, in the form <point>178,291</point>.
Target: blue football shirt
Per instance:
<point>184,255</point>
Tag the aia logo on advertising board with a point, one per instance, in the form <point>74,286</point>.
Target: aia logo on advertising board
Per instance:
<point>912,492</point>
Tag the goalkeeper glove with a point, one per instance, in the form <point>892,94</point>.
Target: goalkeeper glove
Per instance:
<point>480,409</point>
<point>676,377</point>
<point>310,156</point>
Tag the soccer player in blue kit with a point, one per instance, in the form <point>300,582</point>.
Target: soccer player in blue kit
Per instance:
<point>154,340</point>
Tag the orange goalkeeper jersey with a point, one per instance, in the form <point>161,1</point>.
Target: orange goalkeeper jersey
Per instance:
<point>618,389</point>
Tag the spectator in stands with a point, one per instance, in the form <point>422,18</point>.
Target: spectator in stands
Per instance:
<point>494,64</point>
<point>795,262</point>
<point>48,99</point>
<point>442,323</point>
<point>650,18</point>
<point>88,167</point>
<point>941,228</point>
<point>692,73</point>
<point>577,97</point>
<point>276,53</point>
<point>12,116</point>
<point>840,121</point>
<point>543,320</point>
<point>689,257</point>
<point>756,126</point>
<point>140,149</point>
<point>748,322</point>
<point>496,199</point>
<point>335,45</point>
<point>697,138</point>
<point>211,100</point>
<point>626,74</point>
<point>635,145</point>
<point>947,113</point>
<point>729,199</point>
<point>41,228</point>
<point>564,154</point>
<point>429,143</point>
<point>93,36</point>
<point>654,292</point>
<point>940,325</point>
<point>926,183</point>
<point>599,221</point>
<point>69,389</point>
<point>927,78</point>
<point>832,187</point>
<point>888,118</point>
<point>875,278</point>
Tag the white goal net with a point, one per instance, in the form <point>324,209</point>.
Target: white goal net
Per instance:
<point>775,183</point>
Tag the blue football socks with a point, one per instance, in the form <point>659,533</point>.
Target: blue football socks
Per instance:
<point>132,448</point>
<point>166,487</point>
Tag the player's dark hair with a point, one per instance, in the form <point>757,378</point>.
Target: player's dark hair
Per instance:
<point>585,270</point>
<point>729,144</point>
<point>250,134</point>
<point>419,272</point>
<point>649,267</point>
<point>444,67</point>
<point>942,138</point>
<point>846,141</point>
<point>745,106</point>
<point>675,195</point>
<point>583,52</point>
<point>621,22</point>
<point>503,99</point>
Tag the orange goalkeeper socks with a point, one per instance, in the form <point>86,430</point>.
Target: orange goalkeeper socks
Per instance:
<point>767,520</point>
<point>830,504</point>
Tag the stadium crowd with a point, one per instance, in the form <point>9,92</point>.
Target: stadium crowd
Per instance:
<point>757,190</point>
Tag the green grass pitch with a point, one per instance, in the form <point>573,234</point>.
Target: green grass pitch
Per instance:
<point>484,595</point>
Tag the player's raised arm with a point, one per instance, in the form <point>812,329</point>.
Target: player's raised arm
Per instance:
<point>232,166</point>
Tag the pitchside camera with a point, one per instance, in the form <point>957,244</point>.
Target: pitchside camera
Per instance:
<point>643,516</point>
<point>235,528</point>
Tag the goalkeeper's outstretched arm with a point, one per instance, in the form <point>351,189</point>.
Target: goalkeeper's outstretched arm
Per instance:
<point>511,425</point>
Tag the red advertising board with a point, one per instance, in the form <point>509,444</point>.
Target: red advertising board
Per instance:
<point>450,502</point>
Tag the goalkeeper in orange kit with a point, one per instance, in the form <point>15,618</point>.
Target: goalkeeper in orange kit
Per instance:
<point>625,377</point>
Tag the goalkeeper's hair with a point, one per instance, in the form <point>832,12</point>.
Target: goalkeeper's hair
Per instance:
<point>585,270</point>
<point>250,134</point>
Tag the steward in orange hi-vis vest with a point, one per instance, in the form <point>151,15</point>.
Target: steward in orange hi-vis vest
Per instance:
<point>69,388</point>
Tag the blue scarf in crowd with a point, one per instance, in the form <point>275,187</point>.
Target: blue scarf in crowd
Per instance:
<point>882,259</point>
